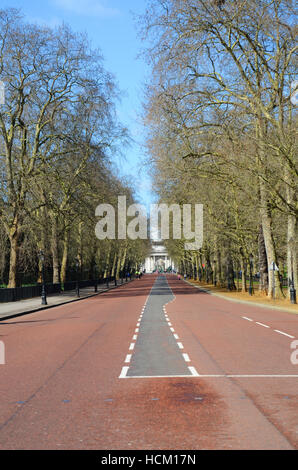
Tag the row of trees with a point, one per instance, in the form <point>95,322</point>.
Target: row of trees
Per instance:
<point>221,130</point>
<point>59,135</point>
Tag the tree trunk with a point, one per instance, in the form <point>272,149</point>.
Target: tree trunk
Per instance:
<point>80,248</point>
<point>114,265</point>
<point>243,274</point>
<point>106,272</point>
<point>123,259</point>
<point>219,273</point>
<point>65,256</point>
<point>55,250</point>
<point>230,272</point>
<point>118,266</point>
<point>263,265</point>
<point>274,287</point>
<point>14,236</point>
<point>291,233</point>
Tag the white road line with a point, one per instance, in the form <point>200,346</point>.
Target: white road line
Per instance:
<point>176,336</point>
<point>131,347</point>
<point>123,372</point>
<point>170,324</point>
<point>137,330</point>
<point>159,376</point>
<point>180,345</point>
<point>186,357</point>
<point>135,337</point>
<point>248,376</point>
<point>285,334</point>
<point>262,324</point>
<point>266,326</point>
<point>138,324</point>
<point>172,330</point>
<point>128,358</point>
<point>193,372</point>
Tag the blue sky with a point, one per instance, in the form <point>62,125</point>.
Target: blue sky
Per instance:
<point>110,26</point>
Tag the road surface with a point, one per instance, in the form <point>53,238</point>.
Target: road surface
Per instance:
<point>155,364</point>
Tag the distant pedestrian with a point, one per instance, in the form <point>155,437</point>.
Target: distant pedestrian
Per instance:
<point>179,277</point>
<point>185,276</point>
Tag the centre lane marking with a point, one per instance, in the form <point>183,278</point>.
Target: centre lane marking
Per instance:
<point>123,372</point>
<point>185,356</point>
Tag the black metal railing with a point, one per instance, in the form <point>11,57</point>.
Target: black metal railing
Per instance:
<point>28,292</point>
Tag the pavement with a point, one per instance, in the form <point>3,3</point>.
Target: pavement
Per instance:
<point>155,364</point>
<point>26,306</point>
<point>293,309</point>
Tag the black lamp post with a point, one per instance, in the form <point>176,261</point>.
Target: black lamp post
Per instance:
<point>228,275</point>
<point>250,289</point>
<point>292,285</point>
<point>43,288</point>
<point>77,278</point>
<point>95,276</point>
<point>214,273</point>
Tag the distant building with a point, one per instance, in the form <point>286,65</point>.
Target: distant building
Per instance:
<point>158,258</point>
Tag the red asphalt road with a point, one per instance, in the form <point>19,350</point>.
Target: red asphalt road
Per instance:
<point>60,387</point>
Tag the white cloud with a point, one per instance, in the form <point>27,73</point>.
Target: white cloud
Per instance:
<point>87,7</point>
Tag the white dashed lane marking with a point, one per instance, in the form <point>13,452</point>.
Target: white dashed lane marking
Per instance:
<point>129,360</point>
<point>269,327</point>
<point>285,334</point>
<point>262,324</point>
